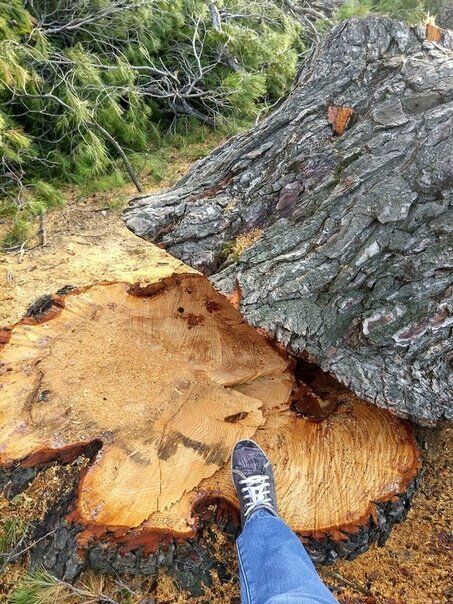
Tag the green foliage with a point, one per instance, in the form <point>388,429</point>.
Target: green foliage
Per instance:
<point>103,183</point>
<point>243,90</point>
<point>14,20</point>
<point>40,587</point>
<point>80,80</point>
<point>155,164</point>
<point>411,11</point>
<point>20,229</point>
<point>354,8</point>
<point>11,530</point>
<point>33,199</point>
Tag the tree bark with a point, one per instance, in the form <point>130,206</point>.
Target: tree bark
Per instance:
<point>329,222</point>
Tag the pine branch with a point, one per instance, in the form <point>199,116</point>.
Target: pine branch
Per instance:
<point>94,124</point>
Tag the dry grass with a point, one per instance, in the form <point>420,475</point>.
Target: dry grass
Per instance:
<point>235,248</point>
<point>246,240</point>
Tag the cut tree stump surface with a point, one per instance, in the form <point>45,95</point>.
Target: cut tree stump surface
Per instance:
<point>163,379</point>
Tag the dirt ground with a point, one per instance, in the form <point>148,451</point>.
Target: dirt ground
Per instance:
<point>87,242</point>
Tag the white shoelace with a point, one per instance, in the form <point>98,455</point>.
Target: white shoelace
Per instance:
<point>256,491</point>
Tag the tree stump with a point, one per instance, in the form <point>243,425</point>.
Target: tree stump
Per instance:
<point>330,222</point>
<point>157,382</point>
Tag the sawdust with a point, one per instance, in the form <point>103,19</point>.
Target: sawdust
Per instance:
<point>84,246</point>
<point>415,565</point>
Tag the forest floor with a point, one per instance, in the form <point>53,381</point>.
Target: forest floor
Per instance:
<point>86,242</point>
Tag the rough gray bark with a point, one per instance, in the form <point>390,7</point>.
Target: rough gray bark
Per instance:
<point>351,266</point>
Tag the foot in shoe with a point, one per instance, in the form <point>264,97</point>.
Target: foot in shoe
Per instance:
<point>253,479</point>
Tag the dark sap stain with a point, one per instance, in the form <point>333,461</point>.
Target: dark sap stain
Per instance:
<point>3,368</point>
<point>232,419</point>
<point>151,439</point>
<point>94,313</point>
<point>167,448</point>
<point>193,320</point>
<point>147,291</point>
<point>67,289</point>
<point>65,455</point>
<point>212,306</point>
<point>215,454</point>
<point>5,335</point>
<point>152,289</point>
<point>44,309</point>
<point>39,307</point>
<point>140,459</point>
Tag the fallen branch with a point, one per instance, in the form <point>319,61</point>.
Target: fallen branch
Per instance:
<point>348,582</point>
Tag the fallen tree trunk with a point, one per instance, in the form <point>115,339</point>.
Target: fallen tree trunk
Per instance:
<point>329,222</point>
<point>155,382</point>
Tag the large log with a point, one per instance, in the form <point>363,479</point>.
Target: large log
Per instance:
<point>155,382</point>
<point>329,221</point>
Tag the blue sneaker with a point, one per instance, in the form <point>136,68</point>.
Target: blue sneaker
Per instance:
<point>253,479</point>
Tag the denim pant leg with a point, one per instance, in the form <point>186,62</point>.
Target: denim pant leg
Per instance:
<point>274,567</point>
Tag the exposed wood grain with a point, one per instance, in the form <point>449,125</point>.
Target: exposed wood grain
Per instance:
<point>161,379</point>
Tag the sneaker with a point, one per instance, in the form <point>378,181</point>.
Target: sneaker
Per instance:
<point>253,479</point>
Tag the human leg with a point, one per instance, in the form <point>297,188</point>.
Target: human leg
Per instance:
<point>274,567</point>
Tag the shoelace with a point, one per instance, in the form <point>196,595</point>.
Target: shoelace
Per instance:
<point>256,490</point>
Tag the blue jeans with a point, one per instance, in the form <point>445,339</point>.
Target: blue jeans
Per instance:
<point>274,567</point>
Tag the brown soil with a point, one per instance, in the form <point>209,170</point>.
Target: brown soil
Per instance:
<point>413,567</point>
